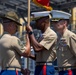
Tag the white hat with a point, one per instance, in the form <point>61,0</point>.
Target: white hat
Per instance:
<point>37,15</point>
<point>60,14</point>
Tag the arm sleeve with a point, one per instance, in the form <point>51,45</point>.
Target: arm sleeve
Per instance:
<point>48,41</point>
<point>73,44</point>
<point>18,45</point>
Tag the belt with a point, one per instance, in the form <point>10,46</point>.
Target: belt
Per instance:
<point>66,68</point>
<point>44,63</point>
<point>12,68</point>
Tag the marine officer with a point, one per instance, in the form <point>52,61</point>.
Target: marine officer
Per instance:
<point>45,48</point>
<point>66,44</point>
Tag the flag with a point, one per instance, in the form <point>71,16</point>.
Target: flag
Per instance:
<point>43,3</point>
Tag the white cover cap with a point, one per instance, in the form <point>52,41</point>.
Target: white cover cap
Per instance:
<point>40,14</point>
<point>60,14</point>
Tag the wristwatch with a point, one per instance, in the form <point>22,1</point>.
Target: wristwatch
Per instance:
<point>31,32</point>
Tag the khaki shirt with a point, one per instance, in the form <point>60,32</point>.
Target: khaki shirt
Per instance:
<point>48,41</point>
<point>10,51</point>
<point>66,51</point>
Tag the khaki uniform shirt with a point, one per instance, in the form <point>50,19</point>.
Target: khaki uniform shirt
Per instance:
<point>66,51</point>
<point>48,41</point>
<point>10,50</point>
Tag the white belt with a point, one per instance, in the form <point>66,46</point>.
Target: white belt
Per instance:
<point>43,63</point>
<point>66,68</point>
<point>12,68</point>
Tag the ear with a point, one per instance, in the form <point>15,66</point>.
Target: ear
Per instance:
<point>65,22</point>
<point>46,21</point>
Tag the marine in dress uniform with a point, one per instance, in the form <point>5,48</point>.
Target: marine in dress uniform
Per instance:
<point>66,44</point>
<point>11,48</point>
<point>45,49</point>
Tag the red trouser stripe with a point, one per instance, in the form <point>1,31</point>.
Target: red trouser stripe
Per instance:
<point>70,72</point>
<point>44,70</point>
<point>16,72</point>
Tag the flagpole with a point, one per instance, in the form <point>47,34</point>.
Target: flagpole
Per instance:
<point>28,19</point>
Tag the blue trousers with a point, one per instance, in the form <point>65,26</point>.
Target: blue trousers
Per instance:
<point>10,72</point>
<point>68,72</point>
<point>44,70</point>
